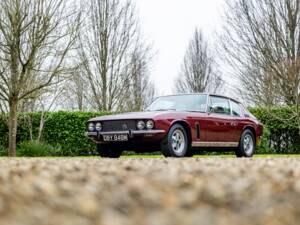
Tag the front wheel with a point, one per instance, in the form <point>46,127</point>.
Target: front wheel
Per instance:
<point>247,144</point>
<point>176,144</point>
<point>106,151</point>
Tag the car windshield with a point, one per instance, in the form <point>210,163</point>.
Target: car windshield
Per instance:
<point>180,103</point>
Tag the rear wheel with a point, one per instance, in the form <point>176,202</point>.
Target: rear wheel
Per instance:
<point>247,144</point>
<point>177,143</point>
<point>106,151</point>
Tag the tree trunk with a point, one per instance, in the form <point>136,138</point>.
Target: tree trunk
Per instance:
<point>13,116</point>
<point>41,127</point>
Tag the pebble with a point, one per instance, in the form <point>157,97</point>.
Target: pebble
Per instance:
<point>150,191</point>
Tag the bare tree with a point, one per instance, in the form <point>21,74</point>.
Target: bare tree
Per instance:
<point>198,72</point>
<point>3,107</point>
<point>141,91</point>
<point>79,90</point>
<point>35,38</point>
<point>262,44</point>
<point>76,94</point>
<point>43,102</point>
<point>107,41</point>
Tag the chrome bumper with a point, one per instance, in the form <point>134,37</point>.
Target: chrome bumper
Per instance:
<point>131,133</point>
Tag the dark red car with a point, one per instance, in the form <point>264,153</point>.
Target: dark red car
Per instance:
<point>178,125</point>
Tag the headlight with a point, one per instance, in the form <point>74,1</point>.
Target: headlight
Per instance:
<point>140,125</point>
<point>98,126</point>
<point>91,127</point>
<point>150,124</point>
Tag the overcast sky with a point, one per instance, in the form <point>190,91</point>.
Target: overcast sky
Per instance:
<point>170,24</point>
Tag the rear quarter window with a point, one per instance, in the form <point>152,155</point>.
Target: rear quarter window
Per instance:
<point>219,105</point>
<point>235,109</point>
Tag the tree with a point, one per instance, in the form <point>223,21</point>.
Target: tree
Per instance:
<point>76,94</point>
<point>141,90</point>
<point>44,101</point>
<point>261,42</point>
<point>198,72</point>
<point>35,39</point>
<point>106,43</point>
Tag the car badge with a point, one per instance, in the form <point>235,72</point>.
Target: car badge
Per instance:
<point>124,126</point>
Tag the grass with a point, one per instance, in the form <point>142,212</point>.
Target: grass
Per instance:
<point>217,156</point>
<point>162,157</point>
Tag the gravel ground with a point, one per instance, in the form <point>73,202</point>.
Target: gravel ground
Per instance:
<point>150,191</point>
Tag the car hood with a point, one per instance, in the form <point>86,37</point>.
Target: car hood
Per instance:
<point>135,115</point>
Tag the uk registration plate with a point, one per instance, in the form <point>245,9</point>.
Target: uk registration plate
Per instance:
<point>115,137</point>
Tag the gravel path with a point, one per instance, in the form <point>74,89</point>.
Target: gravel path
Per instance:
<point>150,191</point>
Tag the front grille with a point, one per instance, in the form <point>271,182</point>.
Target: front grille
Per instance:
<point>118,125</point>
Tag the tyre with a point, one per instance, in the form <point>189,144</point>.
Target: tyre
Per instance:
<point>106,151</point>
<point>176,143</point>
<point>247,144</point>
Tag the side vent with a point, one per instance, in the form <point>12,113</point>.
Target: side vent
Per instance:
<point>198,130</point>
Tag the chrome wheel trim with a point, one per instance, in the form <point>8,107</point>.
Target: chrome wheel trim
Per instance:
<point>178,141</point>
<point>248,144</point>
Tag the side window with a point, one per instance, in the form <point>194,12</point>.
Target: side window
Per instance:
<point>219,105</point>
<point>236,109</point>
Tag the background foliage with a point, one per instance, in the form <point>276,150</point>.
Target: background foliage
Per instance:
<point>281,131</point>
<point>63,130</point>
<point>63,133</point>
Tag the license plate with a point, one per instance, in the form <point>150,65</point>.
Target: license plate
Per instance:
<point>115,137</point>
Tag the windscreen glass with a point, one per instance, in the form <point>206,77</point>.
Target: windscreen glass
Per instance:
<point>180,103</point>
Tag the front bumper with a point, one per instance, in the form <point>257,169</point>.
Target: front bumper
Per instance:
<point>131,133</point>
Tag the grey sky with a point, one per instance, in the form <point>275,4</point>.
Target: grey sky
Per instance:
<point>170,24</point>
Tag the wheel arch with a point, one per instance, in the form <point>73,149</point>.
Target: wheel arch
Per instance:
<point>186,126</point>
<point>252,129</point>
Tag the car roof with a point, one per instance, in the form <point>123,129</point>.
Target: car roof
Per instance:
<point>216,95</point>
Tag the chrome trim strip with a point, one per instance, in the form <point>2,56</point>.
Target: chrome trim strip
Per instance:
<point>137,132</point>
<point>113,132</point>
<point>230,107</point>
<point>148,131</point>
<point>207,102</point>
<point>214,144</point>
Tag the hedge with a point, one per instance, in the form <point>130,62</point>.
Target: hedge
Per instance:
<point>62,129</point>
<point>65,130</point>
<point>281,131</point>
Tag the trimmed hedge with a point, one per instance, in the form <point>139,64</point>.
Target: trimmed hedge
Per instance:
<point>281,131</point>
<point>65,131</point>
<point>62,129</point>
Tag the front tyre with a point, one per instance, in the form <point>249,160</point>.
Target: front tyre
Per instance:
<point>247,144</point>
<point>176,144</point>
<point>106,151</point>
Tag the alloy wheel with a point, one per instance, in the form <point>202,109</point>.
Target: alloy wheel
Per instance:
<point>178,141</point>
<point>248,144</point>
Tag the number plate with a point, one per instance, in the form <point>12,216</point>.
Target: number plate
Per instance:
<point>115,137</point>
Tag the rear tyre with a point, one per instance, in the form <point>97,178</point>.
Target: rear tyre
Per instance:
<point>177,143</point>
<point>106,151</point>
<point>247,144</point>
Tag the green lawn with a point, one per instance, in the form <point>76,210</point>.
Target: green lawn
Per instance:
<point>161,156</point>
<point>212,156</point>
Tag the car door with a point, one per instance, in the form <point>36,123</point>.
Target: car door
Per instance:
<point>238,120</point>
<point>219,122</point>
